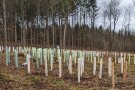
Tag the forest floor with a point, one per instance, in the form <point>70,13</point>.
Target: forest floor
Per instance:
<point>12,78</point>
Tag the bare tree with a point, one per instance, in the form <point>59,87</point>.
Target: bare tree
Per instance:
<point>104,16</point>
<point>126,22</point>
<point>113,12</point>
<point>127,18</point>
<point>109,14</point>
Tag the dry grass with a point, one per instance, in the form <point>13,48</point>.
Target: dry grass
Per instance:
<point>12,78</point>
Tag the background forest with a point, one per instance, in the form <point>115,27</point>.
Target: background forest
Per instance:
<point>65,23</point>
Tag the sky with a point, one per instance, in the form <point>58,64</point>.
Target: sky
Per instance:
<point>123,4</point>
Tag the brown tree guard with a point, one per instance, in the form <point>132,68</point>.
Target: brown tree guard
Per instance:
<point>125,71</point>
<point>113,82</point>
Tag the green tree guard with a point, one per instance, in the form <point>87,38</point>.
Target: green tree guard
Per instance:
<point>8,55</point>
<point>16,58</point>
<point>37,62</point>
<point>7,61</point>
<point>41,56</point>
<point>26,50</point>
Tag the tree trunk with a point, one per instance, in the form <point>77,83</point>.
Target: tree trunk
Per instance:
<point>5,24</point>
<point>110,33</point>
<point>31,36</point>
<point>15,24</point>
<point>23,25</point>
<point>72,33</point>
<point>53,28</point>
<point>65,28</point>
<point>47,30</point>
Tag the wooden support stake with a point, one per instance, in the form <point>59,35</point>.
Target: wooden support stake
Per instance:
<point>122,62</point>
<point>115,57</point>
<point>51,56</point>
<point>109,66</point>
<point>94,66</point>
<point>82,64</point>
<point>113,82</point>
<point>78,70</point>
<point>129,58</point>
<point>60,67</point>
<point>125,71</point>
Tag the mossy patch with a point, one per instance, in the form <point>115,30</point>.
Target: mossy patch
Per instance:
<point>58,83</point>
<point>5,78</point>
<point>33,79</point>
